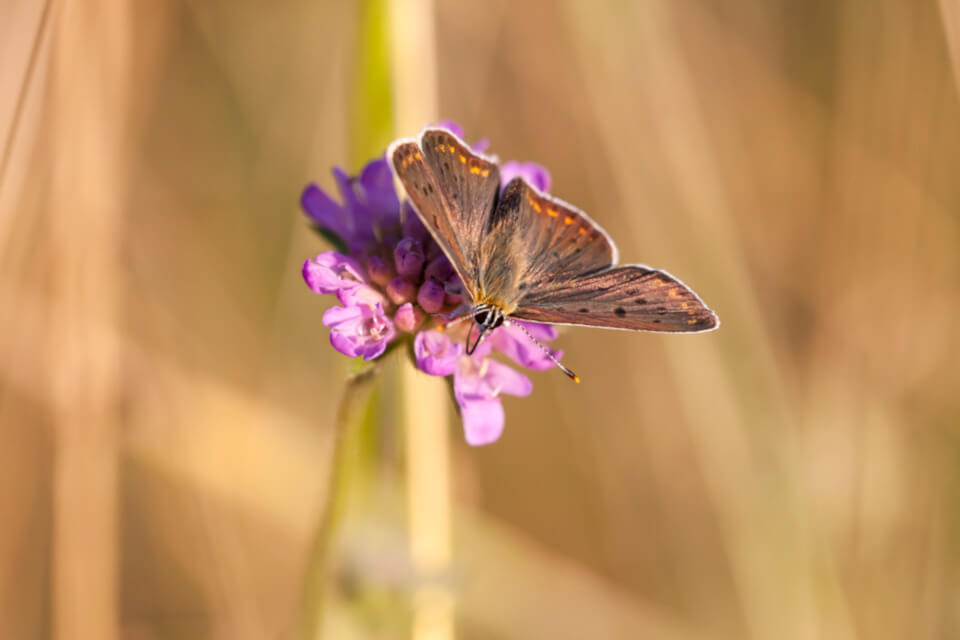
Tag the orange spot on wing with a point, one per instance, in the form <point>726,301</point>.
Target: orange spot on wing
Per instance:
<point>485,173</point>
<point>582,231</point>
<point>535,205</point>
<point>463,159</point>
<point>418,156</point>
<point>659,282</point>
<point>567,220</point>
<point>475,170</point>
<point>552,213</point>
<point>684,305</point>
<point>692,321</point>
<point>673,293</point>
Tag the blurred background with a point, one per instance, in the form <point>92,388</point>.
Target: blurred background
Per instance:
<point>168,395</point>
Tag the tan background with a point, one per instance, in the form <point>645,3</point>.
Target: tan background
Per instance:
<point>794,475</point>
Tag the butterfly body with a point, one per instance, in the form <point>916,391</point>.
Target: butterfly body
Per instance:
<point>523,254</point>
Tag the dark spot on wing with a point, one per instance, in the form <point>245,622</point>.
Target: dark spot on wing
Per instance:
<point>522,286</point>
<point>584,310</point>
<point>657,321</point>
<point>641,301</point>
<point>620,311</point>
<point>436,222</point>
<point>430,188</point>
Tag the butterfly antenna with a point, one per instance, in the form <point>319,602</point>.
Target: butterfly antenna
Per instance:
<point>546,351</point>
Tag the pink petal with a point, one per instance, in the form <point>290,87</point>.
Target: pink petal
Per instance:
<point>436,353</point>
<point>482,421</point>
<point>360,295</point>
<point>336,316</point>
<point>343,344</point>
<point>503,379</point>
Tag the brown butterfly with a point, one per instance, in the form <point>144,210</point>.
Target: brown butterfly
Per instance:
<point>523,254</point>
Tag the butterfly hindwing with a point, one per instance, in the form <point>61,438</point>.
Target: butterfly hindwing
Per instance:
<point>626,297</point>
<point>534,242</point>
<point>453,190</point>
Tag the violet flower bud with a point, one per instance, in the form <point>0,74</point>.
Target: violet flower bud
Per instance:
<point>408,257</point>
<point>408,318</point>
<point>439,269</point>
<point>430,297</point>
<point>400,290</point>
<point>379,270</point>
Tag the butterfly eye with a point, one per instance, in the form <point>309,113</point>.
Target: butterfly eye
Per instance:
<point>489,319</point>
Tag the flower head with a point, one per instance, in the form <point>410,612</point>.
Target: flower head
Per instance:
<point>394,282</point>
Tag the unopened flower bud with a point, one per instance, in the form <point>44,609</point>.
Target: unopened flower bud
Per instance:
<point>408,318</point>
<point>431,296</point>
<point>379,270</point>
<point>400,290</point>
<point>408,257</point>
<point>439,269</point>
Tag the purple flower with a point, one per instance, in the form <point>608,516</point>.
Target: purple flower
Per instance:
<point>477,384</point>
<point>329,272</point>
<point>511,340</point>
<point>359,330</point>
<point>478,379</point>
<point>535,174</point>
<point>369,205</point>
<point>396,283</point>
<point>436,353</point>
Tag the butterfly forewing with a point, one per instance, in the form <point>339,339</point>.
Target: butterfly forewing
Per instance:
<point>531,255</point>
<point>453,191</point>
<point>628,297</point>
<point>536,242</point>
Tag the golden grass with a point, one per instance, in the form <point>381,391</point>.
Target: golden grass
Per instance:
<point>167,392</point>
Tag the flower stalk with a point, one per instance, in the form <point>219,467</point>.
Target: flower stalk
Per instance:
<point>357,395</point>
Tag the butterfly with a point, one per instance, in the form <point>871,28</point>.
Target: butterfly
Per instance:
<point>523,254</point>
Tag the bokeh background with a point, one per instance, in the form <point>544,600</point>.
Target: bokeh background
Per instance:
<point>168,395</point>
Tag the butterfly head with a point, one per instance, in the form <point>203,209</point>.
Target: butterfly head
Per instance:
<point>487,318</point>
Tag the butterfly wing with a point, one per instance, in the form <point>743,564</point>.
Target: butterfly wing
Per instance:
<point>453,190</point>
<point>533,242</point>
<point>632,297</point>
<point>546,261</point>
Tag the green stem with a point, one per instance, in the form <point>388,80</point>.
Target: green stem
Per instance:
<point>311,614</point>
